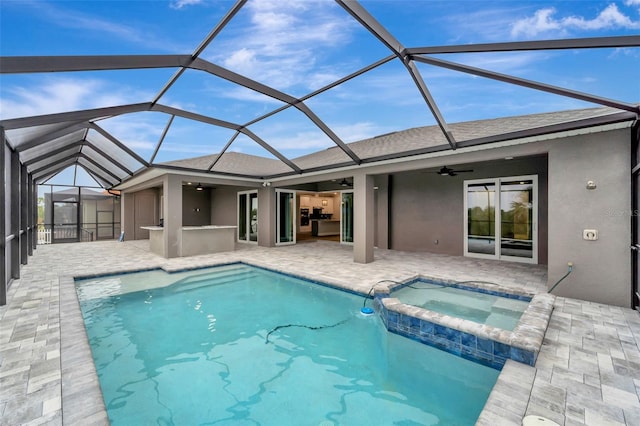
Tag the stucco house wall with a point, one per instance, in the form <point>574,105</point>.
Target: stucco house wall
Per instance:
<point>427,210</point>
<point>601,268</point>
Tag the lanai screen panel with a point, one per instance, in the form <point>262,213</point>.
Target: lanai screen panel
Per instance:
<point>70,140</point>
<point>361,70</point>
<point>114,151</point>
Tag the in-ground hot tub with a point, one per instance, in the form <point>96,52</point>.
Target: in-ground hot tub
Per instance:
<point>450,321</point>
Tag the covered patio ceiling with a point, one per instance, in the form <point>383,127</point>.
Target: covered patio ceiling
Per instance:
<point>50,143</point>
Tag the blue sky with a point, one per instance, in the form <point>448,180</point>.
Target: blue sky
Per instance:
<point>298,47</point>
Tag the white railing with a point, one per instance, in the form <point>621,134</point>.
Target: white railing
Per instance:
<point>44,235</point>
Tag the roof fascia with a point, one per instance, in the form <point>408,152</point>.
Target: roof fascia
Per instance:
<point>603,123</point>
<point>585,123</point>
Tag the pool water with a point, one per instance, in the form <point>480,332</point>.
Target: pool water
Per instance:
<point>192,348</point>
<point>489,309</point>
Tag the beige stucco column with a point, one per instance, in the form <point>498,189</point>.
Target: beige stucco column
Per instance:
<point>266,216</point>
<point>172,208</point>
<point>363,218</point>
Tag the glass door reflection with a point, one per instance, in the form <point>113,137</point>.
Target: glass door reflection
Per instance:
<point>346,218</point>
<point>516,218</point>
<point>481,220</point>
<point>285,213</point>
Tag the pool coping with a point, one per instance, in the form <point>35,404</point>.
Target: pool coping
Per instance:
<point>82,400</point>
<point>481,343</point>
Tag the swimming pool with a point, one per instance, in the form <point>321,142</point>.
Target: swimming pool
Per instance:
<point>238,344</point>
<point>495,310</point>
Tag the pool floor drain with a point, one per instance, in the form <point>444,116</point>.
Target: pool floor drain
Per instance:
<point>326,423</point>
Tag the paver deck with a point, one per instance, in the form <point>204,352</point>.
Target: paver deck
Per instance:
<point>587,372</point>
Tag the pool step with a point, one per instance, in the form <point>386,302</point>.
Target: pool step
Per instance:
<point>212,278</point>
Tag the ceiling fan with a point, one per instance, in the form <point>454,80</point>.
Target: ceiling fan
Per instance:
<point>345,183</point>
<point>446,171</point>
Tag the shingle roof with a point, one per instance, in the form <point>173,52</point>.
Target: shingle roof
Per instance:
<point>405,142</point>
<point>234,163</point>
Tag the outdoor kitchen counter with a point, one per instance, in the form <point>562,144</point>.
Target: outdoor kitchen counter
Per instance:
<point>195,240</point>
<point>325,227</point>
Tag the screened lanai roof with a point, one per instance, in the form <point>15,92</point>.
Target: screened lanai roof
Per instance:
<point>262,89</point>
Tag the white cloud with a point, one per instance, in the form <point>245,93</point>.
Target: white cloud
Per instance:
<point>283,41</point>
<point>63,94</point>
<point>179,4</point>
<point>360,130</point>
<point>632,2</point>
<point>544,21</point>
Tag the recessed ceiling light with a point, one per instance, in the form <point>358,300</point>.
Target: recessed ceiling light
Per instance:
<point>508,158</point>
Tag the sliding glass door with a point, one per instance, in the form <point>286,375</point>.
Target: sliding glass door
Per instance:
<point>346,217</point>
<point>286,217</point>
<point>248,216</point>
<point>501,218</point>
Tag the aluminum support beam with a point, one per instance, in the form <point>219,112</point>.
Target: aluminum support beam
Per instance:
<point>231,139</point>
<point>195,116</point>
<point>47,173</point>
<point>24,215</point>
<point>100,181</point>
<point>431,103</point>
<point>228,125</point>
<point>95,63</point>
<point>324,89</point>
<point>109,158</point>
<point>32,218</point>
<point>528,83</point>
<point>71,147</point>
<point>164,134</point>
<point>275,94</point>
<point>361,15</point>
<point>327,131</point>
<point>60,133</point>
<point>81,115</point>
<point>570,43</point>
<point>272,150</point>
<point>100,167</point>
<point>119,144</point>
<point>4,287</point>
<point>208,39</point>
<point>14,212</point>
<point>44,64</point>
